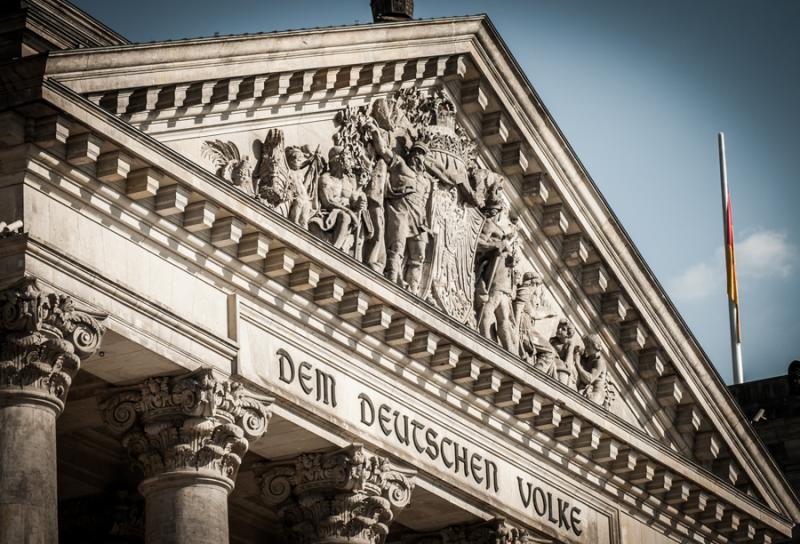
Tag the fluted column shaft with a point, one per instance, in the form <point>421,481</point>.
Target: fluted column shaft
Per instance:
<point>42,341</point>
<point>188,435</point>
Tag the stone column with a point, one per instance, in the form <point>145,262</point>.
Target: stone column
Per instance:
<point>348,495</point>
<point>43,339</point>
<point>188,435</point>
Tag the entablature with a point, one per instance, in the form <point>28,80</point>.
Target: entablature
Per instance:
<point>352,296</point>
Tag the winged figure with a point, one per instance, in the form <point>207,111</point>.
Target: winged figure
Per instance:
<point>229,164</point>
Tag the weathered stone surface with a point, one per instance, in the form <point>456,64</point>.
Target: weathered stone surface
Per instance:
<point>43,338</point>
<point>348,495</point>
<point>196,422</point>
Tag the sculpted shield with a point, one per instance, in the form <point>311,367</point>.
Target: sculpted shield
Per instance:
<point>455,220</point>
<point>455,227</point>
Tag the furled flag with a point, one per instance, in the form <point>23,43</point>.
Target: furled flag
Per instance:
<point>730,265</point>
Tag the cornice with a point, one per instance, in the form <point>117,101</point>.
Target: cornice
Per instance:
<point>626,262</point>
<point>184,171</point>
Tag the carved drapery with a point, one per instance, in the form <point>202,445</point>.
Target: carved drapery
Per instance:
<point>43,339</point>
<point>345,496</point>
<point>196,423</point>
<point>402,192</point>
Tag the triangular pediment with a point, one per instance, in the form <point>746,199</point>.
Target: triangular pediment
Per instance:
<point>238,108</point>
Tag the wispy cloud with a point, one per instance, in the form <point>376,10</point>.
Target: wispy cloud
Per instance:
<point>765,254</point>
<point>761,255</point>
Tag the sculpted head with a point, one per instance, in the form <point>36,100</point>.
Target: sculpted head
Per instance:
<point>532,279</point>
<point>339,162</point>
<point>417,155</point>
<point>593,345</point>
<point>493,199</point>
<point>564,331</point>
<point>295,157</point>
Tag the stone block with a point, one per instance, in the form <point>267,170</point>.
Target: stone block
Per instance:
<point>536,188</point>
<point>83,149</point>
<point>113,166</point>
<point>474,97</point>
<point>253,247</point>
<point>488,382</point>
<point>143,183</point>
<point>200,216</point>
<point>529,406</point>
<point>171,200</point>
<point>508,395</point>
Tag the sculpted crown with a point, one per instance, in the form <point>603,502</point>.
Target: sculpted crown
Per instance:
<point>43,339</point>
<point>195,422</point>
<point>347,494</point>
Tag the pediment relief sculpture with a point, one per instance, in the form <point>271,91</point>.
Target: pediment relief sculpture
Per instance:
<point>400,190</point>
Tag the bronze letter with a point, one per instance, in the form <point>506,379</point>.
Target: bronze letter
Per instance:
<point>303,378</point>
<point>525,500</point>
<point>285,361</point>
<point>366,403</point>
<point>433,446</point>
<point>384,419</point>
<point>447,463</point>
<point>574,518</point>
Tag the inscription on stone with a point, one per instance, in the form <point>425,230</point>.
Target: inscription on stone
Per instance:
<point>426,440</point>
<point>313,381</point>
<point>439,447</point>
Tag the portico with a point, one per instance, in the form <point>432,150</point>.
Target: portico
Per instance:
<point>186,358</point>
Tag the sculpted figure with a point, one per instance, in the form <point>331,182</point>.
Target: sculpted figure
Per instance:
<point>281,178</point>
<point>528,309</point>
<point>593,378</point>
<point>565,346</point>
<point>496,261</point>
<point>375,250</point>
<point>342,203</point>
<point>406,203</point>
<point>229,164</point>
<point>546,362</point>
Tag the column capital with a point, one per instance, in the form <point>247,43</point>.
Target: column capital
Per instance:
<point>349,494</point>
<point>43,339</point>
<point>196,425</point>
<point>494,531</point>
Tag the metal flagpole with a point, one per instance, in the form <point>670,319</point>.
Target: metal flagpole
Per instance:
<point>730,266</point>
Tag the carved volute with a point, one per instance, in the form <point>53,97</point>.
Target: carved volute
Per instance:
<point>348,495</point>
<point>43,338</point>
<point>197,424</point>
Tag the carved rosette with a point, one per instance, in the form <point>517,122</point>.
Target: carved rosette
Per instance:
<point>196,423</point>
<point>346,496</point>
<point>43,339</point>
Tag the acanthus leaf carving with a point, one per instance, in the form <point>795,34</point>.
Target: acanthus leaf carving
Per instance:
<point>348,494</point>
<point>44,339</point>
<point>195,422</point>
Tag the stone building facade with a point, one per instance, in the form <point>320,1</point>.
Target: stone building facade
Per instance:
<point>334,285</point>
<point>773,407</point>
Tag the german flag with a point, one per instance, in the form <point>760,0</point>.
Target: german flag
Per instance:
<point>730,265</point>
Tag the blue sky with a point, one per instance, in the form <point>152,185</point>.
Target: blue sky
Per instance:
<point>640,89</point>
